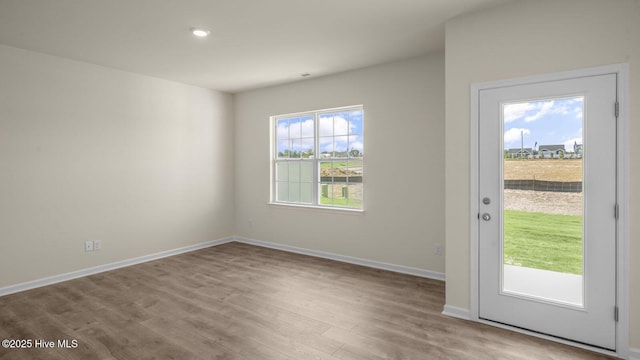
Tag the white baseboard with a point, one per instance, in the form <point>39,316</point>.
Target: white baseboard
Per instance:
<point>138,260</point>
<point>106,267</point>
<point>634,354</point>
<point>456,312</point>
<point>347,259</point>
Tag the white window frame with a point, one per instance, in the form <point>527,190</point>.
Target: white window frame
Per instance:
<point>315,160</point>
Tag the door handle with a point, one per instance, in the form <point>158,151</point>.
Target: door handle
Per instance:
<point>486,217</point>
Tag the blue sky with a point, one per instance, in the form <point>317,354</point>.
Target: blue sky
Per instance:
<point>338,131</point>
<point>547,122</point>
<point>341,131</point>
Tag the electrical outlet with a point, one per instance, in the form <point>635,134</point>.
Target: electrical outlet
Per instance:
<point>97,245</point>
<point>88,246</point>
<point>437,249</point>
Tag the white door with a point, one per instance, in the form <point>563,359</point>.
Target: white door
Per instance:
<point>547,200</point>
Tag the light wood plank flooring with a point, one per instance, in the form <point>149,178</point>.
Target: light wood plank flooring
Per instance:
<point>237,301</point>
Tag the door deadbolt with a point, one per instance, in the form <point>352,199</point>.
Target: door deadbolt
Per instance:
<point>486,201</point>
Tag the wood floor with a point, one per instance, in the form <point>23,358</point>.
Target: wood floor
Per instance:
<point>237,301</point>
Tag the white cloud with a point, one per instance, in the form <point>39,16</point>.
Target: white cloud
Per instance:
<point>568,145</point>
<point>516,111</point>
<point>282,130</point>
<point>512,135</point>
<point>342,143</point>
<point>542,108</point>
<point>306,144</point>
<point>295,130</point>
<point>534,110</point>
<point>339,126</point>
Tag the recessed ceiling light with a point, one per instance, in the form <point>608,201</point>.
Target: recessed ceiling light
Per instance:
<point>200,32</point>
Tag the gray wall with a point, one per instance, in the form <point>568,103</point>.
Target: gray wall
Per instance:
<point>403,166</point>
<point>90,153</point>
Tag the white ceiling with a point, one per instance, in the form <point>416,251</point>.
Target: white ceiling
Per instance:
<point>253,43</point>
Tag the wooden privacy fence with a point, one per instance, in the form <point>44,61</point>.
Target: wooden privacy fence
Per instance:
<point>542,185</point>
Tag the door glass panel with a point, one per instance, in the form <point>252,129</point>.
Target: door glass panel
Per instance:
<point>542,247</point>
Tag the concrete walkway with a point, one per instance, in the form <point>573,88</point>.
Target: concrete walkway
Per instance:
<point>545,285</point>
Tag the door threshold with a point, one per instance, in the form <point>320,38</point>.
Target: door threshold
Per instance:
<point>556,339</point>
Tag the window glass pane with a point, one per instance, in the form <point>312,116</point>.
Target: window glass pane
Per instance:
<point>306,193</point>
<point>282,172</point>
<point>355,122</point>
<point>340,146</point>
<point>341,194</point>
<point>341,123</point>
<point>306,145</point>
<point>325,125</point>
<point>294,192</point>
<point>282,129</point>
<point>341,171</point>
<point>294,171</point>
<point>353,171</point>
<point>327,171</point>
<point>327,191</point>
<point>284,149</point>
<point>282,191</point>
<point>334,124</point>
<point>295,137</point>
<point>307,127</point>
<point>306,171</point>
<point>326,147</point>
<point>336,194</point>
<point>296,149</point>
<point>354,195</point>
<point>341,183</point>
<point>294,128</point>
<point>356,146</point>
<point>543,200</point>
<point>301,127</point>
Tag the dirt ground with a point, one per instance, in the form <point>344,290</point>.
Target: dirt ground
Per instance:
<point>543,201</point>
<point>543,169</point>
<point>341,171</point>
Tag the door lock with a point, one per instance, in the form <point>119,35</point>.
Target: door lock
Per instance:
<point>486,217</point>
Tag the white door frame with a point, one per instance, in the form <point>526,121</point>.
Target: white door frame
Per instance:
<point>622,227</point>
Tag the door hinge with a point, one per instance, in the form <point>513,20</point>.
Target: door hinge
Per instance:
<point>615,314</point>
<point>616,110</point>
<point>616,211</point>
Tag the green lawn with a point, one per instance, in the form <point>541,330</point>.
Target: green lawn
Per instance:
<point>543,241</point>
<point>352,203</point>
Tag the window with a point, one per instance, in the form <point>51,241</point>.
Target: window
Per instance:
<point>317,158</point>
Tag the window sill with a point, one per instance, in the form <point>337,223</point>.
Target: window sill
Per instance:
<point>337,210</point>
